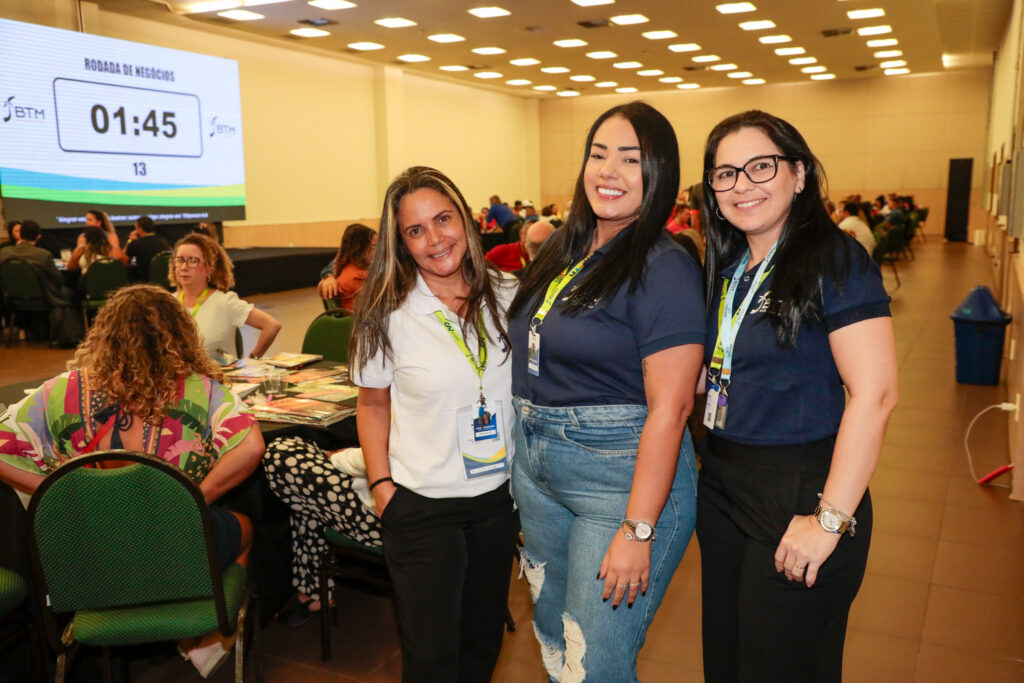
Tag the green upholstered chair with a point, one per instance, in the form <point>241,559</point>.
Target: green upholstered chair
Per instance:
<point>329,335</point>
<point>13,591</point>
<point>887,250</point>
<point>159,267</point>
<point>102,279</point>
<point>349,560</point>
<point>23,294</point>
<point>129,554</point>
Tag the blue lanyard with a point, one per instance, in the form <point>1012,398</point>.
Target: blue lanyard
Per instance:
<point>729,322</point>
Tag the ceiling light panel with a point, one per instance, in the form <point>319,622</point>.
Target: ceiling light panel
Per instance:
<point>670,79</point>
<point>789,51</point>
<point>605,84</point>
<point>331,4</point>
<point>625,91</point>
<point>754,81</point>
<point>684,47</point>
<point>602,54</point>
<point>823,77</point>
<point>735,7</point>
<point>413,58</point>
<point>874,30</point>
<point>813,69</point>
<point>568,93</point>
<point>659,35</point>
<point>582,78</point>
<point>240,15</point>
<point>555,70</point>
<point>309,32</point>
<point>395,22</point>
<point>650,72</point>
<point>627,65</point>
<point>888,54</point>
<point>760,25</point>
<point>487,74</point>
<point>518,81</point>
<point>365,46</point>
<point>883,42</point>
<point>524,61</point>
<point>592,3</point>
<point>722,67</point>
<point>489,12</point>
<point>893,64</point>
<point>489,50</point>
<point>803,60</point>
<point>701,59</point>
<point>772,40</point>
<point>688,86</point>
<point>629,19</point>
<point>446,38</point>
<point>545,88</point>
<point>740,74</point>
<point>570,42</point>
<point>896,72</point>
<point>454,67</point>
<point>866,13</point>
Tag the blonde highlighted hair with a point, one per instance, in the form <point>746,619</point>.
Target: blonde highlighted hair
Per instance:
<point>141,346</point>
<point>222,274</point>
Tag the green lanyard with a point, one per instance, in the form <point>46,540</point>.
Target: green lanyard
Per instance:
<point>721,361</point>
<point>554,289</point>
<point>202,298</point>
<point>479,363</point>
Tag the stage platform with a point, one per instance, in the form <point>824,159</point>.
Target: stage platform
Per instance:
<point>261,270</point>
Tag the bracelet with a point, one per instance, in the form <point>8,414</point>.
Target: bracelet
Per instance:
<point>381,481</point>
<point>848,523</point>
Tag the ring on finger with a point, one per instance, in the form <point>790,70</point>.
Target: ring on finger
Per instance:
<point>621,585</point>
<point>634,585</point>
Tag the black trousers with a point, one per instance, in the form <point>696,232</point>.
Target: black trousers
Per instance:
<point>450,561</point>
<point>758,625</point>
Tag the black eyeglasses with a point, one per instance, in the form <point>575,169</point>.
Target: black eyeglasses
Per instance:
<point>758,170</point>
<point>190,261</point>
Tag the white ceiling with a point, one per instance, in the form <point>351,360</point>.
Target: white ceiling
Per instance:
<point>969,30</point>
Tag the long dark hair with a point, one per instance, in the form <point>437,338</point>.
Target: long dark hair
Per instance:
<point>624,262</point>
<point>354,248</point>
<point>392,273</point>
<point>808,248</point>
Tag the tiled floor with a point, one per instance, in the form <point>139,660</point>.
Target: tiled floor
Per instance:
<point>943,599</point>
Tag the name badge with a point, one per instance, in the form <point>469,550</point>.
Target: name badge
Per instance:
<point>711,407</point>
<point>481,445</point>
<point>533,353</point>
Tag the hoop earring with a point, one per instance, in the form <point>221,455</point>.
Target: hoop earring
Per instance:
<point>718,212</point>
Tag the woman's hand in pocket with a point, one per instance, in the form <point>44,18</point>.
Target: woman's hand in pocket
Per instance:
<point>382,495</point>
<point>803,549</point>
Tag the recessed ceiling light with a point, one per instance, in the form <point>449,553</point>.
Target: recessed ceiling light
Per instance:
<point>602,54</point>
<point>788,51</point>
<point>735,7</point>
<point>446,38</point>
<point>813,69</point>
<point>627,65</point>
<point>670,79</point>
<point>555,70</point>
<point>568,93</point>
<point>740,74</point>
<point>413,58</point>
<point>866,13</point>
<point>454,67</point>
<point>874,30</point>
<point>488,12</point>
<point>700,59</point>
<point>684,47</point>
<point>722,67</point>
<point>659,35</point>
<point>886,54</point>
<point>803,60</point>
<point>524,61</point>
<point>650,72</point>
<point>883,42</point>
<point>570,42</point>
<point>896,72</point>
<point>592,3</point>
<point>606,84</point>
<point>688,86</point>
<point>240,15</point>
<point>489,50</point>
<point>332,4</point>
<point>753,81</point>
<point>760,25</point>
<point>545,87</point>
<point>771,40</point>
<point>626,90</point>
<point>395,22</point>
<point>365,45</point>
<point>582,78</point>
<point>893,64</point>
<point>487,74</point>
<point>822,77</point>
<point>309,32</point>
<point>518,81</point>
<point>628,19</point>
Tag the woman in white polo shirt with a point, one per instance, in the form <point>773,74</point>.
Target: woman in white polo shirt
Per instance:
<point>430,356</point>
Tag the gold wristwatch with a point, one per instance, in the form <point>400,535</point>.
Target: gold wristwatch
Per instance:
<point>834,521</point>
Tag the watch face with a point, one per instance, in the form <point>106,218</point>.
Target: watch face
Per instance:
<point>643,530</point>
<point>830,520</point>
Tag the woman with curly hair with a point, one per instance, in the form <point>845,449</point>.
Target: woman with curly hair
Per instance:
<point>142,381</point>
<point>201,272</point>
<point>344,276</point>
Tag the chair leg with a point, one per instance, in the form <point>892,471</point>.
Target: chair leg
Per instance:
<point>240,642</point>
<point>256,650</point>
<point>108,669</point>
<point>62,665</point>
<point>38,652</point>
<point>325,607</point>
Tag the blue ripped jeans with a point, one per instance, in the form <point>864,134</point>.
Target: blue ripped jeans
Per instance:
<point>571,479</point>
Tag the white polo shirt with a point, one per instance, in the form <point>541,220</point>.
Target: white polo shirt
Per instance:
<point>430,379</point>
<point>218,317</point>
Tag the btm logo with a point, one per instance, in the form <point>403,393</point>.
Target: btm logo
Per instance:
<point>9,110</point>
<point>221,129</point>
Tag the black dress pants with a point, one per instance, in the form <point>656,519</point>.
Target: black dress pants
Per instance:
<point>450,561</point>
<point>758,625</point>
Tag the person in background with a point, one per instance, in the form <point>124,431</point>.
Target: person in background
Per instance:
<point>538,233</point>
<point>501,214</point>
<point>13,234</point>
<point>212,229</point>
<point>853,225</point>
<point>201,273</point>
<point>430,357</point>
<point>143,245</point>
<point>343,277</point>
<point>797,313</point>
<point>530,212</point>
<point>41,259</point>
<point>93,245</point>
<point>604,373</point>
<point>141,381</point>
<point>97,218</point>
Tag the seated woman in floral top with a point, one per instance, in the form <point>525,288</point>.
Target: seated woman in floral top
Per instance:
<point>141,380</point>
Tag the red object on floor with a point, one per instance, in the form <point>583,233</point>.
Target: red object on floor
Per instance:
<point>995,473</point>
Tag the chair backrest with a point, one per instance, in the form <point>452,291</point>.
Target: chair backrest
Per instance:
<point>329,335</point>
<point>103,278</point>
<point>159,267</point>
<point>12,590</point>
<point>133,535</point>
<point>20,280</point>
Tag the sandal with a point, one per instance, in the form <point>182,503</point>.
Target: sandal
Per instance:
<point>296,612</point>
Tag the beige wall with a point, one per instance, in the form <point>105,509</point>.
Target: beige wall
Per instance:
<point>873,136</point>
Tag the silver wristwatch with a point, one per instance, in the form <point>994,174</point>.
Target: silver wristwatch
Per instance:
<point>638,530</point>
<point>834,521</point>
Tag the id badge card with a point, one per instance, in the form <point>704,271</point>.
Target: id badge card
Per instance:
<point>533,353</point>
<point>711,407</point>
<point>481,456</point>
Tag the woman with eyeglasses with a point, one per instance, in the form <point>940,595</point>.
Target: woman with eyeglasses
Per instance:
<point>798,319</point>
<point>201,272</point>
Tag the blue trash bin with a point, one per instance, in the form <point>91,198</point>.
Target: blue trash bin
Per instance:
<point>979,326</point>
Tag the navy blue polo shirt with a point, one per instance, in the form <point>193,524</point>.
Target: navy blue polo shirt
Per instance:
<point>593,357</point>
<point>785,396</point>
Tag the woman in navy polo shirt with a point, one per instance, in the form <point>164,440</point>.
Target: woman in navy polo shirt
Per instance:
<point>797,311</point>
<point>606,334</point>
